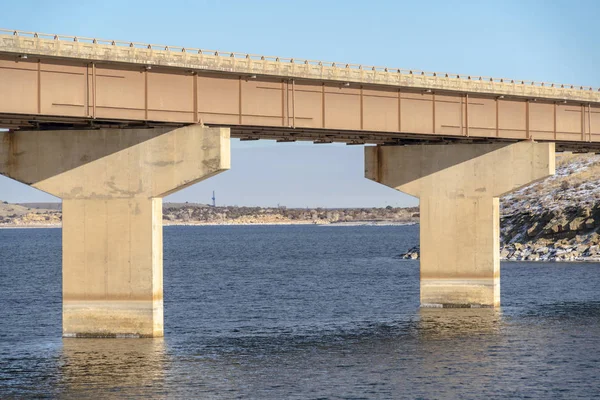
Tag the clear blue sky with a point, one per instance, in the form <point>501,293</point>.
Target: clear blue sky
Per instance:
<point>523,39</point>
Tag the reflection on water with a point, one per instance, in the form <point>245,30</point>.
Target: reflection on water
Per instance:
<point>436,323</point>
<point>458,346</point>
<point>118,366</point>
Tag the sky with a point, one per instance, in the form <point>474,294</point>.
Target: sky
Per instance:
<point>552,41</point>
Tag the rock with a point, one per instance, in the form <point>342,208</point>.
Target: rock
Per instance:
<point>411,254</point>
<point>590,223</point>
<point>552,228</point>
<point>534,230</point>
<point>542,250</point>
<point>518,254</point>
<point>576,224</point>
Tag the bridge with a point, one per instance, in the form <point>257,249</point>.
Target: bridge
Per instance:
<point>60,82</point>
<point>112,127</point>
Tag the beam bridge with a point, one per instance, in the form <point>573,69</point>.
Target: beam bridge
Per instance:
<point>57,82</point>
<point>112,127</point>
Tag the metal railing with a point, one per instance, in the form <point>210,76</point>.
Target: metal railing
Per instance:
<point>247,56</point>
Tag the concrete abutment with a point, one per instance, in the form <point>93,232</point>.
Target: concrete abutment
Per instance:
<point>459,187</point>
<point>112,182</point>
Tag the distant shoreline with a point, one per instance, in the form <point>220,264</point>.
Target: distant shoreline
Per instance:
<point>185,214</point>
<point>18,226</point>
<point>286,223</point>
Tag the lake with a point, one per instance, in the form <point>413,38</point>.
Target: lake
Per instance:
<point>302,312</point>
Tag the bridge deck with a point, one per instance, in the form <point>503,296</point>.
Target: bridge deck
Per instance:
<point>68,82</point>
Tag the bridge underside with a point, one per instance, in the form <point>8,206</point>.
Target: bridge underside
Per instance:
<point>280,134</point>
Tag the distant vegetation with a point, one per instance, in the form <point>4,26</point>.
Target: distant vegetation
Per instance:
<point>258,215</point>
<point>184,213</point>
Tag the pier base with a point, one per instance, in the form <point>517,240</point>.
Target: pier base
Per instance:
<point>458,187</point>
<point>112,182</point>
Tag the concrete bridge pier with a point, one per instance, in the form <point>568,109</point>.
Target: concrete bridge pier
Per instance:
<point>112,182</point>
<point>458,187</point>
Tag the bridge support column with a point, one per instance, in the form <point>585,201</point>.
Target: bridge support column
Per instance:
<point>112,182</point>
<point>458,187</point>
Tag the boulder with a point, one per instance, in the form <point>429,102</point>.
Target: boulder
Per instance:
<point>542,250</point>
<point>576,224</point>
<point>411,254</point>
<point>574,254</point>
<point>535,229</point>
<point>552,227</point>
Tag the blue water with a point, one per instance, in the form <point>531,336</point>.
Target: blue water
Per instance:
<point>302,312</point>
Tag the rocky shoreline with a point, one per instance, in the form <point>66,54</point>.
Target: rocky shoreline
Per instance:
<point>558,252</point>
<point>557,219</point>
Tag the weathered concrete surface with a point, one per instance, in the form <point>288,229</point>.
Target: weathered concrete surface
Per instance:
<point>112,183</point>
<point>458,187</point>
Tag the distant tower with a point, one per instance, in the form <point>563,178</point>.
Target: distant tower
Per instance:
<point>214,199</point>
